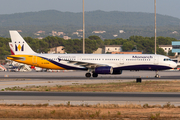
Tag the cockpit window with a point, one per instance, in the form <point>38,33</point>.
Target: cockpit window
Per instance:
<point>166,59</point>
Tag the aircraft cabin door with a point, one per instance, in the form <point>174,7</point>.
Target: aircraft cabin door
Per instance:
<point>156,60</point>
<point>121,60</point>
<point>34,59</point>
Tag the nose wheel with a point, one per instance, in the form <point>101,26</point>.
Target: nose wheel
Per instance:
<point>157,75</point>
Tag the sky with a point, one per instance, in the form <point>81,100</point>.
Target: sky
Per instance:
<point>164,7</point>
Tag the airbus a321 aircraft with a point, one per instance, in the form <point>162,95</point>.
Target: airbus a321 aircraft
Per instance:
<point>94,64</point>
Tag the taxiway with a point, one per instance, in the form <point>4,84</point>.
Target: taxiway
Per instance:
<point>11,79</point>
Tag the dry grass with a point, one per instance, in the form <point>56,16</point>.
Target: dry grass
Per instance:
<point>98,111</point>
<point>145,86</point>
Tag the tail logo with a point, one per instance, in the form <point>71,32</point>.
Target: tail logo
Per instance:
<point>19,47</point>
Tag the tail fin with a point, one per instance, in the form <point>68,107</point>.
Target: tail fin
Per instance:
<point>11,48</point>
<point>18,45</point>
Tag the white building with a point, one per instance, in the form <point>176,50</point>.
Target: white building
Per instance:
<point>175,32</point>
<point>75,33</point>
<point>121,31</point>
<point>112,48</point>
<point>59,49</point>
<point>60,33</point>
<point>66,37</point>
<point>99,32</point>
<point>115,35</point>
<point>80,30</point>
<point>40,32</point>
<point>55,33</point>
<point>166,48</point>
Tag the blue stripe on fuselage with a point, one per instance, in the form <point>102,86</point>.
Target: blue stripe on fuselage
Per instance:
<point>64,66</point>
<point>143,67</point>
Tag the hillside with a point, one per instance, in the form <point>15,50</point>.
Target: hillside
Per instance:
<point>132,23</point>
<point>94,18</point>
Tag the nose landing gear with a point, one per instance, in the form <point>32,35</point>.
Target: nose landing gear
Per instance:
<point>157,75</point>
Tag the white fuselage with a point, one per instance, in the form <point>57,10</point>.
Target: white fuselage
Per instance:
<point>117,61</point>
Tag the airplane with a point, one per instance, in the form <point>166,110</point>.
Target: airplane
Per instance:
<point>2,68</point>
<point>94,64</point>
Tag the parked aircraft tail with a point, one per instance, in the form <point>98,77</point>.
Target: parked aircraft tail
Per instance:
<point>18,45</point>
<point>2,68</point>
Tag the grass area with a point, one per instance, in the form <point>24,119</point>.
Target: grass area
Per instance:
<point>99,111</point>
<point>145,86</point>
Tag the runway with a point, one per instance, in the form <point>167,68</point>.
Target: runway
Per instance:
<point>80,75</point>
<point>93,96</point>
<point>22,79</point>
<point>90,97</point>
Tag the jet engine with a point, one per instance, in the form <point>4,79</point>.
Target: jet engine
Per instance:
<point>104,70</point>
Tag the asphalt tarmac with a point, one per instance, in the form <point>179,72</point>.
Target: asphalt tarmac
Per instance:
<point>11,79</point>
<point>93,96</point>
<point>89,98</point>
<point>80,75</point>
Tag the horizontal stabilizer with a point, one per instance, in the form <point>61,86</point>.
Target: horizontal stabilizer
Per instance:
<point>15,58</point>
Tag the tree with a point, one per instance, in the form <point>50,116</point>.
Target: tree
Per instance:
<point>161,51</point>
<point>170,53</point>
<point>94,37</point>
<point>43,46</point>
<point>127,46</point>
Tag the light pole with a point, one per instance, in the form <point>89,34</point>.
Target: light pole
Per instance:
<point>83,30</point>
<point>155,22</point>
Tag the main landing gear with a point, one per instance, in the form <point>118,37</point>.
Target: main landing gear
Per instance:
<point>95,75</point>
<point>88,75</point>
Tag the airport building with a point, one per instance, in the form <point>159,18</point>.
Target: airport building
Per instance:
<point>59,49</point>
<point>176,47</point>
<point>112,48</point>
<point>166,48</point>
<point>130,52</point>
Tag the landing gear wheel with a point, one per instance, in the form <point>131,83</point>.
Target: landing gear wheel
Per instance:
<point>88,75</point>
<point>95,75</point>
<point>157,76</point>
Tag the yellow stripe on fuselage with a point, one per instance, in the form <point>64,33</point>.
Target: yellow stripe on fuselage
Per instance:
<point>34,61</point>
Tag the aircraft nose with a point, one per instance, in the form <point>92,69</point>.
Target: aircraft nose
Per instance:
<point>174,65</point>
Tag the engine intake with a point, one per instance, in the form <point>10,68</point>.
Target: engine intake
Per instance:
<point>104,70</point>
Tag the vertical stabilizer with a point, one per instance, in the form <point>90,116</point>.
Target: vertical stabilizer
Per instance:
<point>11,48</point>
<point>18,45</point>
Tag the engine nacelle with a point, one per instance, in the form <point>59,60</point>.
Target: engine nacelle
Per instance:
<point>117,71</point>
<point>104,70</point>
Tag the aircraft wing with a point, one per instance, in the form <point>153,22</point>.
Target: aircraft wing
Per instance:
<point>86,64</point>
